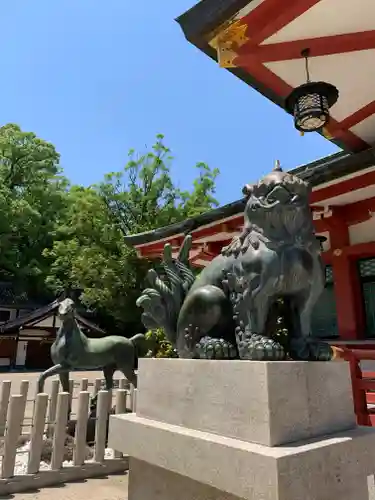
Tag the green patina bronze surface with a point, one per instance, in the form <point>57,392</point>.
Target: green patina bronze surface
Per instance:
<point>223,314</point>
<point>72,350</point>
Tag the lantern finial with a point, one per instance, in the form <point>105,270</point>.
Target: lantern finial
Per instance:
<point>277,167</point>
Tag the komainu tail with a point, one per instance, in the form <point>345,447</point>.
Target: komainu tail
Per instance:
<point>162,302</point>
<point>141,344</point>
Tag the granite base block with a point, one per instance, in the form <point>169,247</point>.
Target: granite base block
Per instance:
<point>269,403</point>
<point>232,430</point>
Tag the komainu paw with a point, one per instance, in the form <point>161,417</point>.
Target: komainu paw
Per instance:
<point>258,347</point>
<point>310,350</point>
<point>212,348</point>
<point>208,347</point>
<point>191,339</point>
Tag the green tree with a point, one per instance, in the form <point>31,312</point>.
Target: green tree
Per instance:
<point>143,195</point>
<point>89,253</point>
<point>89,258</point>
<point>32,198</point>
<point>160,346</point>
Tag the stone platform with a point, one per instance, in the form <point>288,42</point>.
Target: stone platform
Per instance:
<point>215,430</point>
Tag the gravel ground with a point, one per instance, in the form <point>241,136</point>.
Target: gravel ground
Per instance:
<point>114,487</point>
<point>23,457</point>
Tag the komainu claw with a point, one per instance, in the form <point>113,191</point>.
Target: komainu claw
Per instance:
<point>210,348</point>
<point>257,347</point>
<point>310,350</point>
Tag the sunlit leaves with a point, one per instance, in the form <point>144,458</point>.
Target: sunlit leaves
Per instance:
<point>32,196</point>
<point>89,253</point>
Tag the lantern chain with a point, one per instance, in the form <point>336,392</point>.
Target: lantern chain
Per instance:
<point>305,53</point>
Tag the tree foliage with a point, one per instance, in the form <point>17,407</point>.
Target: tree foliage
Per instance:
<point>32,197</point>
<point>89,254</point>
<point>143,195</point>
<point>57,238</point>
<point>160,346</point>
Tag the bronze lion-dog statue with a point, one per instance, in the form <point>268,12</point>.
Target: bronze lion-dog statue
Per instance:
<point>223,313</point>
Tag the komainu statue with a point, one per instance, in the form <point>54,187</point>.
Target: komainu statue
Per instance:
<point>223,313</point>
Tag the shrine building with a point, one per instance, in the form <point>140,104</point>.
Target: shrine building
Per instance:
<point>319,67</point>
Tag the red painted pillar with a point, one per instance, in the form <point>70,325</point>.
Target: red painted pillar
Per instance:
<point>346,283</point>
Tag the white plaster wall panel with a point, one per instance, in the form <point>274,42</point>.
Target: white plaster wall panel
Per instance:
<point>327,18</point>
<point>364,232</point>
<point>222,236</point>
<point>34,332</point>
<point>249,8</point>
<point>349,197</point>
<point>366,128</point>
<point>47,322</point>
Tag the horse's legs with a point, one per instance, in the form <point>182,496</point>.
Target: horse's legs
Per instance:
<point>54,370</point>
<point>108,372</point>
<point>64,381</point>
<point>130,375</point>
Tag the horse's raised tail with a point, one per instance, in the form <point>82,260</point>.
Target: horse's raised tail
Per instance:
<point>141,344</point>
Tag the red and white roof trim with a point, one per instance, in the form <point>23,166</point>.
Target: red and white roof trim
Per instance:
<point>341,37</point>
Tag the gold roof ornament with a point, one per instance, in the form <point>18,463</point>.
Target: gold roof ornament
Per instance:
<point>326,134</point>
<point>225,55</point>
<point>227,40</point>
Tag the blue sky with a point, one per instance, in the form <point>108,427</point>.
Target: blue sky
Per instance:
<point>98,78</point>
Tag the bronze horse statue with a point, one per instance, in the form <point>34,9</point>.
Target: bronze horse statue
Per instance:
<point>73,350</point>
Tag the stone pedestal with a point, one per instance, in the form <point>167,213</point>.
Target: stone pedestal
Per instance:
<point>215,430</point>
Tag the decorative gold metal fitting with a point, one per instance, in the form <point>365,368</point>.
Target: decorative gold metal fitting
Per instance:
<point>226,41</point>
<point>326,134</point>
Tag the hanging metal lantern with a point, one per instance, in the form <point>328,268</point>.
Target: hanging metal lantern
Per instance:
<point>310,102</point>
<point>322,240</point>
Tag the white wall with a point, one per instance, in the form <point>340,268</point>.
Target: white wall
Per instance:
<point>364,232</point>
<point>46,323</point>
<point>21,353</point>
<point>33,332</point>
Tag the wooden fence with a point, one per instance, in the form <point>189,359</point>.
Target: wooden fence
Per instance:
<point>47,425</point>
